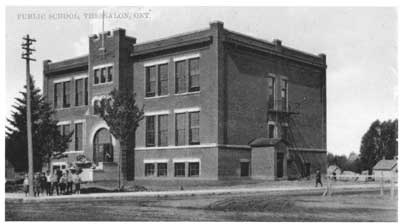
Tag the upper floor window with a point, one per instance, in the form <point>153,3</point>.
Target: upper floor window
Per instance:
<point>271,92</point>
<point>103,74</point>
<point>81,92</point>
<point>194,128</point>
<point>78,131</point>
<point>271,130</point>
<point>194,75</point>
<point>180,130</point>
<point>163,79</point>
<point>150,131</point>
<point>163,130</point>
<point>180,77</point>
<point>284,94</point>
<point>187,75</point>
<point>150,81</point>
<point>62,92</point>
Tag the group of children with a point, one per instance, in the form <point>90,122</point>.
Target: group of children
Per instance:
<point>62,182</point>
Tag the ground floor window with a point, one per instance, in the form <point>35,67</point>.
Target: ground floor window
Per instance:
<point>194,169</point>
<point>161,169</point>
<point>149,169</point>
<point>179,169</point>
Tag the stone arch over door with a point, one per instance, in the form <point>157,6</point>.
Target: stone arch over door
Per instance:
<point>103,149</point>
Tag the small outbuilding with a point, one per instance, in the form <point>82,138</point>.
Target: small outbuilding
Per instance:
<point>386,169</point>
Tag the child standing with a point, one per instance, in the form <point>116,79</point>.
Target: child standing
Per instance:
<point>26,185</point>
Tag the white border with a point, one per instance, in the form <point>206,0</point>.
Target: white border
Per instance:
<point>153,113</point>
<point>102,66</point>
<point>185,160</point>
<point>155,161</point>
<point>63,123</point>
<point>81,76</point>
<point>186,57</point>
<point>187,109</point>
<point>62,80</point>
<point>156,62</point>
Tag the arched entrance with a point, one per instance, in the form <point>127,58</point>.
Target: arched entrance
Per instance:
<point>102,146</point>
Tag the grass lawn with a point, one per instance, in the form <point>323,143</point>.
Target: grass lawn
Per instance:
<point>246,207</point>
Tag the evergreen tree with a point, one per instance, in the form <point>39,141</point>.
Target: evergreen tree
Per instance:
<point>46,138</point>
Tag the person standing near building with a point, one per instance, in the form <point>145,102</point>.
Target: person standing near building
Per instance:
<point>48,183</point>
<point>318,178</point>
<point>63,183</point>
<point>77,182</point>
<point>36,184</point>
<point>42,183</point>
<point>26,185</point>
<point>69,182</point>
<point>54,183</point>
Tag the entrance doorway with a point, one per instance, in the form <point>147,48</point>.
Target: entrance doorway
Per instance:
<point>279,162</point>
<point>244,169</point>
<point>103,148</point>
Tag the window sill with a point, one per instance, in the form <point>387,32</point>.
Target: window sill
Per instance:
<point>102,84</point>
<point>155,97</point>
<point>187,93</point>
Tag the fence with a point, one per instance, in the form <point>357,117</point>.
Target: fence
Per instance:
<point>377,177</point>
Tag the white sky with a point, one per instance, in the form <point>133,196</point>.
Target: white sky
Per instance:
<point>360,44</point>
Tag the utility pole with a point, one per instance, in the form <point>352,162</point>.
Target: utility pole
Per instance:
<point>26,46</point>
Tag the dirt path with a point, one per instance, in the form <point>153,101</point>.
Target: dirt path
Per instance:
<point>246,207</point>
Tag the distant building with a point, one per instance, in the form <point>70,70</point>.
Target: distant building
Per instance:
<point>386,169</point>
<point>207,96</point>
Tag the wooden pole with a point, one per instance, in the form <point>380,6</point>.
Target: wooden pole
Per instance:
<point>382,193</point>
<point>26,56</point>
<point>392,186</point>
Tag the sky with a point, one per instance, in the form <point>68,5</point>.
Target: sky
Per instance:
<point>360,44</point>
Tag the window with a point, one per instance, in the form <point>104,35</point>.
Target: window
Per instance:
<point>96,76</point>
<point>163,79</point>
<point>161,169</point>
<point>78,136</point>
<point>150,126</point>
<point>194,128</point>
<point>103,75</point>
<point>194,169</point>
<point>150,81</point>
<point>86,91</point>
<point>180,77</point>
<point>180,137</point>
<point>58,95</point>
<point>194,75</point>
<point>110,74</point>
<point>284,89</point>
<point>179,169</point>
<point>67,94</point>
<point>64,129</point>
<point>271,92</point>
<point>62,92</point>
<point>96,107</point>
<point>271,131</point>
<point>149,169</point>
<point>81,92</point>
<point>163,130</point>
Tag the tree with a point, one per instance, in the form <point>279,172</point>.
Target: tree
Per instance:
<point>47,140</point>
<point>380,141</point>
<point>122,116</point>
